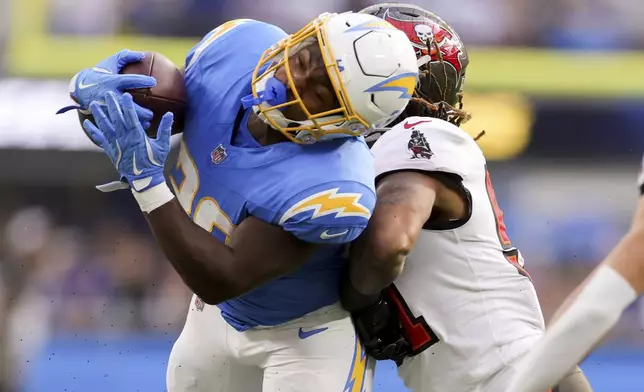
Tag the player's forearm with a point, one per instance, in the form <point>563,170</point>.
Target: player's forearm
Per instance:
<point>258,251</point>
<point>627,257</point>
<point>200,259</point>
<point>405,202</point>
<point>370,271</point>
<point>206,265</point>
<point>378,257</point>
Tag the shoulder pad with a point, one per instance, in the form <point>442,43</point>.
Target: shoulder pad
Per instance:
<point>243,32</point>
<point>332,194</point>
<point>427,144</point>
<point>335,212</point>
<point>214,35</point>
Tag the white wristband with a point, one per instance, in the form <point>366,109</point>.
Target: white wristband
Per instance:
<point>154,197</point>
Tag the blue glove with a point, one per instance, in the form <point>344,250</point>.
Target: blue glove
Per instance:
<point>138,158</point>
<point>91,84</point>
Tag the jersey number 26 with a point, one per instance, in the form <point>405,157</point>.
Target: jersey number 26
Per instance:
<point>206,212</point>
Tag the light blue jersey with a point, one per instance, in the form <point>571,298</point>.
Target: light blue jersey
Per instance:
<point>321,193</point>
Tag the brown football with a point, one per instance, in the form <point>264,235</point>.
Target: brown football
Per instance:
<point>169,95</point>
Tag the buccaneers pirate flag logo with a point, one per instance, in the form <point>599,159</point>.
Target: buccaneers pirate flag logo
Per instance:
<point>418,146</point>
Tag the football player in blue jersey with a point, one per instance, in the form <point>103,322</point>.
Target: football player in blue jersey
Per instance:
<point>271,151</point>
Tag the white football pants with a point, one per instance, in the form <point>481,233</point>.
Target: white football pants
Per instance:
<point>319,352</point>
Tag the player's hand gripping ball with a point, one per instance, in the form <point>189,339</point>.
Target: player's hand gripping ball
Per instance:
<point>155,83</point>
<point>138,158</point>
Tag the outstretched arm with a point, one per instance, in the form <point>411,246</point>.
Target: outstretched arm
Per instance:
<point>588,314</point>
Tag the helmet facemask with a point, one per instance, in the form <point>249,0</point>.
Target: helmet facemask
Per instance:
<point>270,97</point>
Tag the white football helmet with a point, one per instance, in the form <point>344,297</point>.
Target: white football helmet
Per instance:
<point>372,67</point>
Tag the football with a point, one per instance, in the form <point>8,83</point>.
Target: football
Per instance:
<point>169,95</point>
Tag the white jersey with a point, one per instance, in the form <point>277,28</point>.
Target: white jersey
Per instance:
<point>463,283</point>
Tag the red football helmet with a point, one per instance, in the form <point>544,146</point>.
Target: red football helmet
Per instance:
<point>442,57</point>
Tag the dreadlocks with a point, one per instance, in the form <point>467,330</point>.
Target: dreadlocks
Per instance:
<point>420,106</point>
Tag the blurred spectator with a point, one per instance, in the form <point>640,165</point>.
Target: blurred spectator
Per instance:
<point>5,25</point>
<point>590,24</point>
<point>585,24</point>
<point>85,17</point>
<point>61,279</point>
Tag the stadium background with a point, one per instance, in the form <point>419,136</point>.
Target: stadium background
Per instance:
<point>87,301</point>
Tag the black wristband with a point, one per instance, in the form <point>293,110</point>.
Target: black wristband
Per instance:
<point>352,300</point>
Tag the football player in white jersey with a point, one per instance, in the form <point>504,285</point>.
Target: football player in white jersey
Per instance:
<point>590,312</point>
<point>467,308</point>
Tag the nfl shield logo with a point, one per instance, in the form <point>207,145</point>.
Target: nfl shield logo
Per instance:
<point>218,154</point>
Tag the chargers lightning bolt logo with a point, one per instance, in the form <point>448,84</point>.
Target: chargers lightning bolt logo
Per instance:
<point>356,378</point>
<point>404,83</point>
<point>329,202</point>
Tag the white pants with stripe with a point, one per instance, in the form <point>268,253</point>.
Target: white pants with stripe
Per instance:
<point>316,353</point>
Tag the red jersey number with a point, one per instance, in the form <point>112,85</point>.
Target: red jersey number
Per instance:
<point>510,252</point>
<point>417,332</point>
